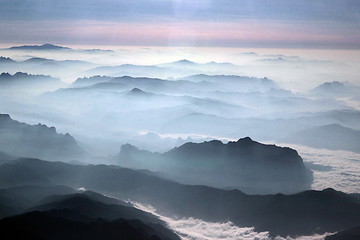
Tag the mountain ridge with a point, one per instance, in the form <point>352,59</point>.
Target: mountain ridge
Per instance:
<point>43,47</point>
<point>38,140</point>
<point>245,164</point>
<point>310,211</point>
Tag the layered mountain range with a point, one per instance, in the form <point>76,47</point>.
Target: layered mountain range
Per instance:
<point>27,82</point>
<point>299,214</point>
<point>178,124</point>
<point>85,215</point>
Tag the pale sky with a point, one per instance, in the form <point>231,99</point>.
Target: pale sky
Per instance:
<point>221,23</point>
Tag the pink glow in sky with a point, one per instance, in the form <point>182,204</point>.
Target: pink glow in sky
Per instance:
<point>220,23</point>
<point>190,33</point>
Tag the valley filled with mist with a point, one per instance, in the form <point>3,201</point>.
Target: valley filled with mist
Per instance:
<point>109,142</point>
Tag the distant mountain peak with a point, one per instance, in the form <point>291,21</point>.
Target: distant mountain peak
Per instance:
<point>139,92</point>
<point>213,63</point>
<point>5,75</point>
<point>136,90</point>
<point>335,88</point>
<point>129,147</point>
<point>46,46</point>
<point>213,143</point>
<point>38,60</point>
<point>20,75</point>
<point>245,139</point>
<point>6,60</point>
<point>333,84</point>
<point>184,61</point>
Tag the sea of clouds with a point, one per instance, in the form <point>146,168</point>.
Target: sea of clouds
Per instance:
<point>336,169</point>
<point>332,169</point>
<point>197,229</point>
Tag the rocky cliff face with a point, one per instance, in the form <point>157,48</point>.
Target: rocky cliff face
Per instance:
<point>245,164</point>
<point>37,141</point>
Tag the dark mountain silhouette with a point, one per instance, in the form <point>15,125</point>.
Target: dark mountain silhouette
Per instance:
<point>95,205</point>
<point>28,83</point>
<point>19,199</point>
<point>80,82</point>
<point>58,199</point>
<point>19,79</point>
<point>248,165</point>
<point>65,224</point>
<point>84,207</point>
<point>52,47</point>
<point>38,141</point>
<point>299,214</point>
<point>350,234</point>
<point>332,136</point>
<point>139,92</point>
<point>91,204</point>
<point>184,61</point>
<point>37,60</point>
<point>6,60</point>
<point>44,47</point>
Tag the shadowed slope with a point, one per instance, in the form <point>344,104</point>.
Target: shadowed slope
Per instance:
<point>300,214</point>
<point>246,164</point>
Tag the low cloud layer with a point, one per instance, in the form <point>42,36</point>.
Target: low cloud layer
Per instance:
<point>197,229</point>
<point>336,169</point>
